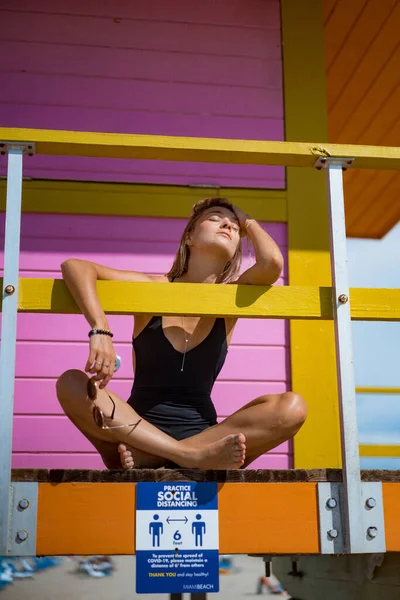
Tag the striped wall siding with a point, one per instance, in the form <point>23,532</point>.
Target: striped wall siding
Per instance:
<point>258,359</point>
<point>171,68</point>
<point>362,50</point>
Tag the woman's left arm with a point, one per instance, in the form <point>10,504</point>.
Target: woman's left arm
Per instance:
<point>269,260</point>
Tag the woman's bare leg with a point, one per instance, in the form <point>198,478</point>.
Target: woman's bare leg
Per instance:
<point>225,453</point>
<point>266,422</point>
<point>112,452</point>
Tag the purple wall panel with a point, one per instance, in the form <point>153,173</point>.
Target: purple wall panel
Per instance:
<point>263,13</point>
<point>209,72</point>
<point>257,360</point>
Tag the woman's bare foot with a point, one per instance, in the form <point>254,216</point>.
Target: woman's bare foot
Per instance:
<point>228,453</point>
<point>131,458</point>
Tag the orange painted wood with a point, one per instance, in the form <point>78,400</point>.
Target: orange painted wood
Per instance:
<point>365,28</point>
<point>386,189</point>
<point>391,503</point>
<point>362,64</point>
<point>86,518</point>
<point>375,111</point>
<point>337,29</point>
<point>99,518</point>
<point>369,70</point>
<point>271,517</point>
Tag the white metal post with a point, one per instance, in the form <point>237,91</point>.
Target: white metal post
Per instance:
<point>354,531</point>
<point>8,339</point>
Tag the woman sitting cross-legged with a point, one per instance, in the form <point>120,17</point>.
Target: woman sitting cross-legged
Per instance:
<point>169,418</point>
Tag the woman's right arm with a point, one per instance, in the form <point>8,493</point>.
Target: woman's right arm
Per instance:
<point>80,277</point>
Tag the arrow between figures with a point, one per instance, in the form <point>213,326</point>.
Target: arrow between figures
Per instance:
<point>169,520</point>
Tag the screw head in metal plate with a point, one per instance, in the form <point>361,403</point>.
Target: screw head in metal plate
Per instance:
<point>22,535</point>
<point>23,504</point>
<point>343,298</point>
<point>372,532</point>
<point>331,503</point>
<point>370,502</point>
<point>333,533</point>
<point>9,289</point>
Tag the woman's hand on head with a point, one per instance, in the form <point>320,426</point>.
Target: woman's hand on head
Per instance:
<point>101,361</point>
<point>242,218</point>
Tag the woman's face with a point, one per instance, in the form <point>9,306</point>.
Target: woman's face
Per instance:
<point>217,229</point>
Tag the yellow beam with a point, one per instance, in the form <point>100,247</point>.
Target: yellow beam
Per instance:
<point>118,297</point>
<point>129,199</point>
<point>312,345</point>
<point>377,450</point>
<point>214,150</point>
<point>384,302</point>
<point>378,390</point>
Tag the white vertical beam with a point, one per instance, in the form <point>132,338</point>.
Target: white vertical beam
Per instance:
<point>8,339</point>
<point>354,534</point>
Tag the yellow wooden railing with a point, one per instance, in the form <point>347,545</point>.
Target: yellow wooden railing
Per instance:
<point>193,149</point>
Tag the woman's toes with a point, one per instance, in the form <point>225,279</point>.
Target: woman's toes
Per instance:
<point>126,457</point>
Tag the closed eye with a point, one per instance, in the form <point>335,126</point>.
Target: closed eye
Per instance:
<point>216,217</point>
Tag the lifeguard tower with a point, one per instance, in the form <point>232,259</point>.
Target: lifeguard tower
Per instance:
<point>307,504</point>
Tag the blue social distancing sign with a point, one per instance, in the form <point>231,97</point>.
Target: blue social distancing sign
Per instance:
<point>177,538</point>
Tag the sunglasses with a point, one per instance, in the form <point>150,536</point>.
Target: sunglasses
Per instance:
<point>98,415</point>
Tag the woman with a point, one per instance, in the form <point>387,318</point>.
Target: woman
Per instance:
<point>169,417</point>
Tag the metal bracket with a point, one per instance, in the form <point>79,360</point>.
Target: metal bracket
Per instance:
<point>28,148</point>
<point>373,517</point>
<point>23,512</point>
<point>331,530</point>
<point>330,523</point>
<point>323,162</point>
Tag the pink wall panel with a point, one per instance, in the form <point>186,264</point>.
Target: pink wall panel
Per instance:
<point>36,395</point>
<point>125,62</point>
<point>33,327</point>
<point>48,434</point>
<point>214,72</point>
<point>35,252</point>
<point>89,227</point>
<point>262,14</point>
<point>141,244</point>
<point>42,359</point>
<point>257,361</point>
<point>45,460</point>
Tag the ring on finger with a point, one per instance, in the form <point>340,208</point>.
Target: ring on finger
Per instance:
<point>98,362</point>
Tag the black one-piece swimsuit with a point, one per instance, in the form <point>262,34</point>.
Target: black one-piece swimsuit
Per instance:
<point>177,402</point>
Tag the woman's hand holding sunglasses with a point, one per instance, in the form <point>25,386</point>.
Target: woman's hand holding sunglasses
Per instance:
<point>101,361</point>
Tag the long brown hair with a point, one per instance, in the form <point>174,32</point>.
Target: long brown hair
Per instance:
<point>181,261</point>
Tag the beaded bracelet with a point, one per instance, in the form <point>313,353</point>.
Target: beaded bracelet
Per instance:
<point>100,332</point>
